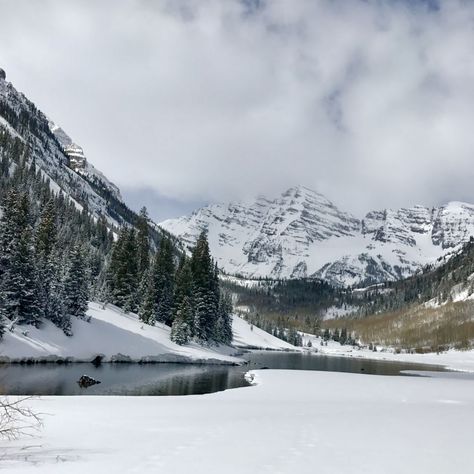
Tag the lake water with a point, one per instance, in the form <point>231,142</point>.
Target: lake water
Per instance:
<point>176,379</point>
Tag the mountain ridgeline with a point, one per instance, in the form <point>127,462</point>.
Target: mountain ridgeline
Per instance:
<point>66,237</point>
<point>301,234</point>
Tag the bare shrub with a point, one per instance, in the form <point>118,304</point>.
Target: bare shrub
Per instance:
<point>17,418</point>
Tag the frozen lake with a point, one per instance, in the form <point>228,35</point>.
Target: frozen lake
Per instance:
<point>178,379</point>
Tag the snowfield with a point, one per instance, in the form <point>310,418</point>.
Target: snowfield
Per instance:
<point>290,422</point>
<point>117,336</point>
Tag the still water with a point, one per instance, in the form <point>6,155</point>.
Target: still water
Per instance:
<point>176,379</point>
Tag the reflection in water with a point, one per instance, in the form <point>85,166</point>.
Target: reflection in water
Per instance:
<point>175,379</point>
<point>119,379</point>
<point>308,361</point>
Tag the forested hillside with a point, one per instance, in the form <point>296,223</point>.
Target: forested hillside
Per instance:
<point>66,237</point>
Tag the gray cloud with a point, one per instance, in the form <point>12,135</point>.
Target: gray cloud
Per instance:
<point>370,102</point>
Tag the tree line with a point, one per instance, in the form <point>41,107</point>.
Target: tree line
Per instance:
<point>54,257</point>
<point>167,287</point>
<point>51,252</point>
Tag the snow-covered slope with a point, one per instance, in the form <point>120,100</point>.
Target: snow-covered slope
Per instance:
<point>301,234</point>
<point>79,162</point>
<point>47,144</point>
<point>117,336</point>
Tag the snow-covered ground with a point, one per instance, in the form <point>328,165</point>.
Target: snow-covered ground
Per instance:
<point>291,422</point>
<point>453,359</point>
<point>122,337</point>
<point>246,335</point>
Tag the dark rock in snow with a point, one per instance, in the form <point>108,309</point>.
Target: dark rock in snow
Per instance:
<point>86,381</point>
<point>3,74</point>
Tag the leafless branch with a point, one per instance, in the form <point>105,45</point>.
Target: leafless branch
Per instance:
<point>17,418</point>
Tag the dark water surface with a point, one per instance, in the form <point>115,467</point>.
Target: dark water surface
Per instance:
<point>177,379</point>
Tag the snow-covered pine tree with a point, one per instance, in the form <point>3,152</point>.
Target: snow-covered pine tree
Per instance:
<point>181,329</point>
<point>143,242</point>
<point>122,279</point>
<point>18,283</point>
<point>147,309</point>
<point>184,289</point>
<point>157,299</point>
<point>76,288</point>
<point>224,320</point>
<point>166,285</point>
<point>50,285</point>
<point>205,290</point>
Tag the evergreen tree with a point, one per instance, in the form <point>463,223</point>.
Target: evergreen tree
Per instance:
<point>76,288</point>
<point>147,309</point>
<point>157,300</point>
<point>18,284</point>
<point>205,291</point>
<point>223,331</point>
<point>122,279</point>
<point>50,286</point>
<point>143,242</point>
<point>183,287</point>
<point>181,329</point>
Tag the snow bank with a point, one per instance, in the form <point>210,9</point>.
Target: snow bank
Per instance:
<point>453,359</point>
<point>249,336</point>
<point>290,422</point>
<point>119,337</point>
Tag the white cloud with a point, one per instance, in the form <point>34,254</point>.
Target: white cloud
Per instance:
<point>367,101</point>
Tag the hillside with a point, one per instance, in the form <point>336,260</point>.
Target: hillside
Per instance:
<point>28,133</point>
<point>115,336</point>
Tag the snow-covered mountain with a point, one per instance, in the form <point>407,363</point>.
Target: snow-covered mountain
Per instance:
<point>58,157</point>
<point>301,234</point>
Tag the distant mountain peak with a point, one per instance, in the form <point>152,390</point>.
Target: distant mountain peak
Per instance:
<point>301,233</point>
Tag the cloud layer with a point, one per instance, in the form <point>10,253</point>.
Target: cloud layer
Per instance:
<point>370,102</point>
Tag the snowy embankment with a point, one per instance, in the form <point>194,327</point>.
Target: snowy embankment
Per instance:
<point>291,422</point>
<point>453,359</point>
<point>249,336</point>
<point>118,337</point>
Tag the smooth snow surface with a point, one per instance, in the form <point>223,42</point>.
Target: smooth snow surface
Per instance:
<point>246,335</point>
<point>123,337</point>
<point>291,422</point>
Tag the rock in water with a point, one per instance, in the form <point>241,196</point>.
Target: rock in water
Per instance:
<point>86,381</point>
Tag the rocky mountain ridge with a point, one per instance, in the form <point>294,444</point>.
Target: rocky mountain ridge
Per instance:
<point>51,150</point>
<point>303,234</point>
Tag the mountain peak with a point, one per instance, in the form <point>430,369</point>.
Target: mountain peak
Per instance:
<point>301,233</point>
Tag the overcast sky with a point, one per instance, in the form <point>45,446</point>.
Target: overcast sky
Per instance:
<point>188,101</point>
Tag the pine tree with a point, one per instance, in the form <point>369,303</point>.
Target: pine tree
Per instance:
<point>18,283</point>
<point>76,288</point>
<point>122,275</point>
<point>224,320</point>
<point>181,331</point>
<point>205,291</point>
<point>147,309</point>
<point>184,288</point>
<point>143,242</point>
<point>50,285</point>
<point>157,300</point>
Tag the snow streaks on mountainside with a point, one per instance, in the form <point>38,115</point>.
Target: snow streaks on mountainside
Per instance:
<point>303,234</point>
<point>58,157</point>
